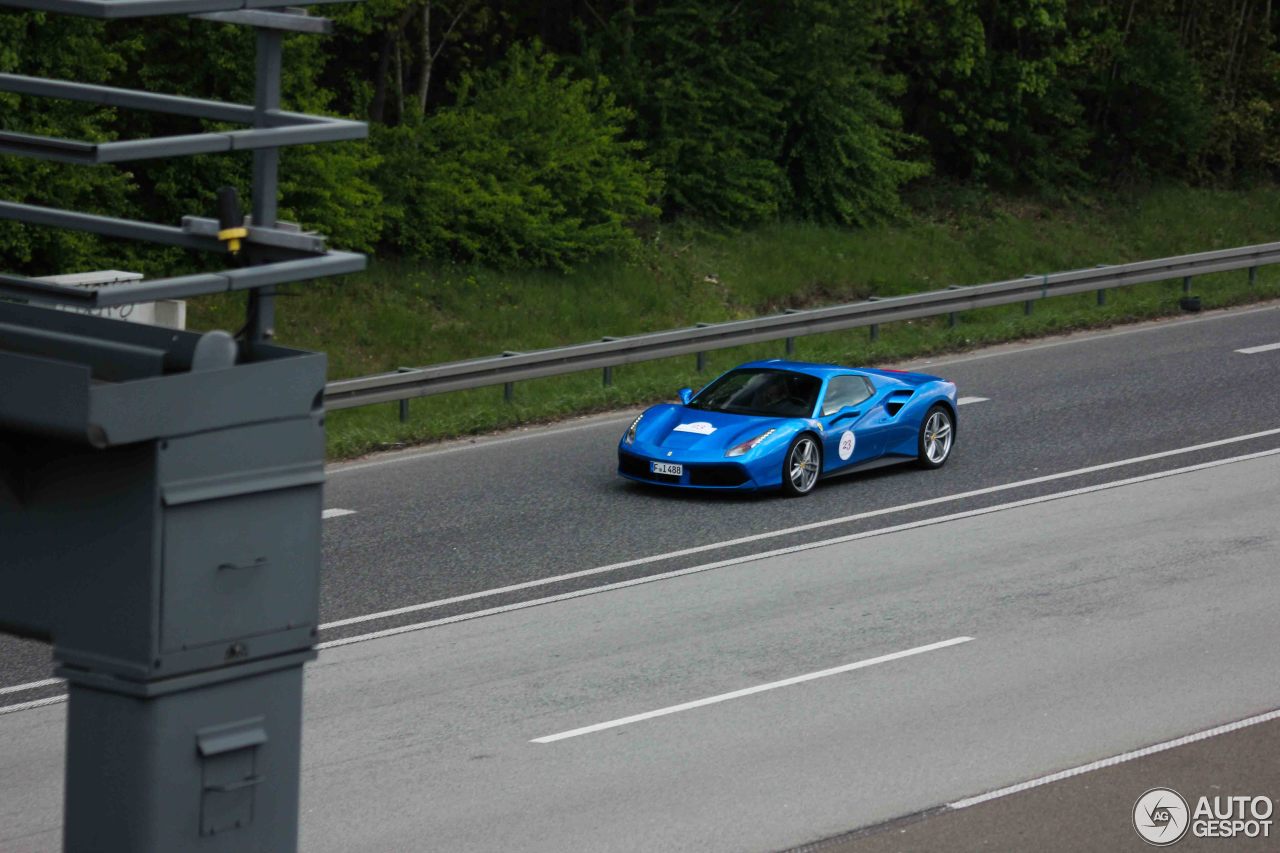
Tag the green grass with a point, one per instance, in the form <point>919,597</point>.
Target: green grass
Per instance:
<point>397,314</point>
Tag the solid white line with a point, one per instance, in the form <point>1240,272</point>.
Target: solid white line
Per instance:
<point>31,685</point>
<point>1116,759</point>
<point>337,513</point>
<point>786,531</point>
<point>738,694</point>
<point>964,401</point>
<point>1263,348</point>
<point>35,703</point>
<point>912,525</point>
<point>622,417</point>
<point>917,365</point>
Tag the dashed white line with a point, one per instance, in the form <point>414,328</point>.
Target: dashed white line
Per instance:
<point>1115,759</point>
<point>749,691</point>
<point>964,401</point>
<point>337,513</point>
<point>1255,350</point>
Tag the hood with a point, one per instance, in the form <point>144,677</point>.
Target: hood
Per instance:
<point>676,427</point>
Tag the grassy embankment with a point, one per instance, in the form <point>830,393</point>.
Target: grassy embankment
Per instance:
<point>396,314</point>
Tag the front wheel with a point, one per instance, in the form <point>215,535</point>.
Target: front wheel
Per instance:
<point>801,466</point>
<point>937,435</point>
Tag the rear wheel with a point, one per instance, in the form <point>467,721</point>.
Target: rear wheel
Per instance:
<point>801,466</point>
<point>937,435</point>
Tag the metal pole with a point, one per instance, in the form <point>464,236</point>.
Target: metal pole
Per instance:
<point>509,388</point>
<point>1253,276</point>
<point>1186,284</point>
<point>608,371</point>
<point>266,161</point>
<point>1102,298</point>
<point>702,356</point>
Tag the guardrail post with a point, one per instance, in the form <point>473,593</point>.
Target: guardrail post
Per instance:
<point>951,317</point>
<point>1186,284</point>
<point>608,371</point>
<point>508,388</point>
<point>1253,276</point>
<point>1031,304</point>
<point>702,356</point>
<point>791,342</point>
<point>875,327</point>
<point>404,404</point>
<point>1102,293</point>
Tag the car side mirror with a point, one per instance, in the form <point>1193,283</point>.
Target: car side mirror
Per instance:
<point>685,394</point>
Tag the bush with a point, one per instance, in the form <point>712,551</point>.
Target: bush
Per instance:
<point>527,168</point>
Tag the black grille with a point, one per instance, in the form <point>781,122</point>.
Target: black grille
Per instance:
<point>725,476</point>
<point>636,467</point>
<point>717,475</point>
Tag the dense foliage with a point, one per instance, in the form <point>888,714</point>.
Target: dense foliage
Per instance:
<point>544,133</point>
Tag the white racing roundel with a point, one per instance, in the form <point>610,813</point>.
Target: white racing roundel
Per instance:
<point>846,444</point>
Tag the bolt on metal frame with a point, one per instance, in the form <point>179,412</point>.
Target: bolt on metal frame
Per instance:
<point>277,255</point>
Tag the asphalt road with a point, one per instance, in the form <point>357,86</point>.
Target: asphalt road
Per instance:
<point>472,517</point>
<point>471,520</point>
<point>928,665</point>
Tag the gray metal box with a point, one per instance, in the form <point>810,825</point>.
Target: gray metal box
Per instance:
<point>153,545</point>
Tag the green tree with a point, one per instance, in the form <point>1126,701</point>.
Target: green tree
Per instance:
<point>699,77</point>
<point>843,147</point>
<point>527,168</point>
<point>64,48</point>
<point>992,87</point>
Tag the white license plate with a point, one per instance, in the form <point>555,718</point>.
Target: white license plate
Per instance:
<point>666,468</point>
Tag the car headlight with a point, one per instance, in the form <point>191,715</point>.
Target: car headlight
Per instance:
<point>739,449</point>
<point>630,437</point>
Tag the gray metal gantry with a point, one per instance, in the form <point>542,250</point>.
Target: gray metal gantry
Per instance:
<point>160,490</point>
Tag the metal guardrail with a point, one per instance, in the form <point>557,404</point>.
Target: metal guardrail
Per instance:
<point>511,367</point>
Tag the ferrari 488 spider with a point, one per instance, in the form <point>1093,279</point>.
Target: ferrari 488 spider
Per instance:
<point>783,424</point>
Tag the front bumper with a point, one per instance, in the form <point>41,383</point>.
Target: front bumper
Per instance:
<point>723,476</point>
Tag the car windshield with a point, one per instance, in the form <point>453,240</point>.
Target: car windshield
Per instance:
<point>774,393</point>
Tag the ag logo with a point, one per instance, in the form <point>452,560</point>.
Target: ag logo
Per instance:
<point>846,444</point>
<point>1161,816</point>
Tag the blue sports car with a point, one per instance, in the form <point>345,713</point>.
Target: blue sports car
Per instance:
<point>786,424</point>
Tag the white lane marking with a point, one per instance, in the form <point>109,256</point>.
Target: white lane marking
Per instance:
<point>964,401</point>
<point>917,365</point>
<point>35,703</point>
<point>738,694</point>
<point>786,531</point>
<point>492,611</point>
<point>337,513</point>
<point>911,525</point>
<point>456,445</point>
<point>1263,348</point>
<point>31,685</point>
<point>1115,759</point>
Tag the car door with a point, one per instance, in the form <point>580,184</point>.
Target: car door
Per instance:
<point>850,417</point>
